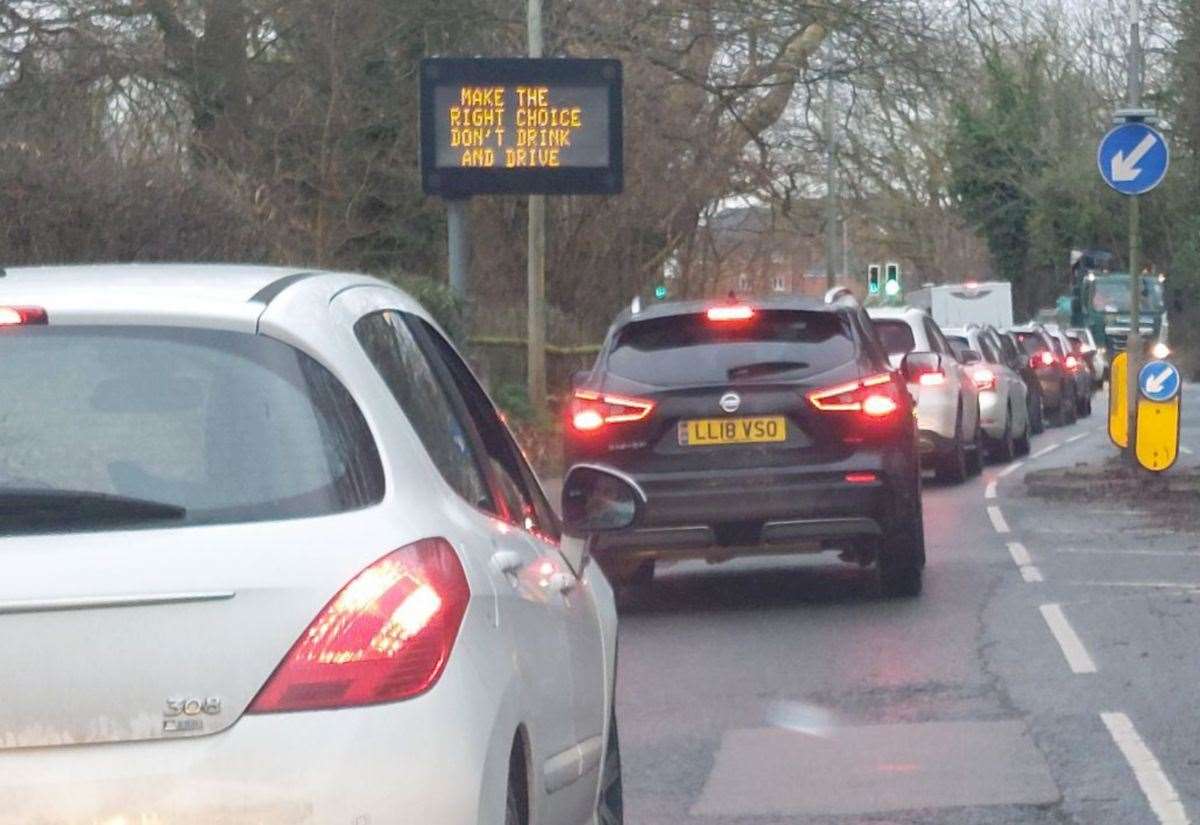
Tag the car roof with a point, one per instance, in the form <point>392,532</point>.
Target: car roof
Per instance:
<point>910,314</point>
<point>670,309</point>
<point>209,295</point>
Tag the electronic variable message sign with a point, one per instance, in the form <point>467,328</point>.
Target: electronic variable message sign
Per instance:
<point>521,126</point>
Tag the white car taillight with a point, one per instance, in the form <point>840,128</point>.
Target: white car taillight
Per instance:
<point>384,637</point>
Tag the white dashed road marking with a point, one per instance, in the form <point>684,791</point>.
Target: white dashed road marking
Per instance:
<point>1046,450</point>
<point>1072,647</point>
<point>1075,438</point>
<point>1024,563</point>
<point>1164,799</point>
<point>991,490</point>
<point>997,519</point>
<point>1186,451</point>
<point>1011,468</point>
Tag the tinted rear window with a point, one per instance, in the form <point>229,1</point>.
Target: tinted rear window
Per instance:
<point>230,427</point>
<point>959,344</point>
<point>690,349</point>
<point>897,336</point>
<point>1031,342</point>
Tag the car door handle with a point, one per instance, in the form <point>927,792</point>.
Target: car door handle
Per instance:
<point>508,562</point>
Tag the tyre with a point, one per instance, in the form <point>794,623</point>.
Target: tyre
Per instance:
<point>1072,409</point>
<point>1024,444</point>
<point>1006,449</point>
<point>610,804</point>
<point>516,805</point>
<point>1037,415</point>
<point>975,459</point>
<point>952,466</point>
<point>901,562</point>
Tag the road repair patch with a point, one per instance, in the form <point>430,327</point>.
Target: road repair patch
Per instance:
<point>876,769</point>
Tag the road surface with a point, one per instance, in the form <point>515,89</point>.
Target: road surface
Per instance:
<point>1048,674</point>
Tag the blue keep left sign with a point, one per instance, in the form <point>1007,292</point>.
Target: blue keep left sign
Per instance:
<point>1159,381</point>
<point>1134,158</point>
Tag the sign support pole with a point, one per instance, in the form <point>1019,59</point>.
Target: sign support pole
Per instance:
<point>831,198</point>
<point>536,266</point>
<point>458,242</point>
<point>1133,344</point>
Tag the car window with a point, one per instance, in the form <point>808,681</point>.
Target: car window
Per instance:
<point>1031,341</point>
<point>525,504</point>
<point>1056,345</point>
<point>1011,353</point>
<point>229,427</point>
<point>959,344</point>
<point>987,350</point>
<point>389,344</point>
<point>897,336</point>
<point>688,349</point>
<point>937,341</point>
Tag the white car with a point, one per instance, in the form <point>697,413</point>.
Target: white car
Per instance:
<point>271,556</point>
<point>948,419</point>
<point>1003,396</point>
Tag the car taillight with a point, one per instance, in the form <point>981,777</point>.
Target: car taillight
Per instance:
<point>22,316</point>
<point>384,637</point>
<point>1045,358</point>
<point>870,396</point>
<point>984,378</point>
<point>1072,362</point>
<point>738,312</point>
<point>931,379</point>
<point>589,411</point>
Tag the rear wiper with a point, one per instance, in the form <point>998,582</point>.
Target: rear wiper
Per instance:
<point>764,368</point>
<point>29,507</point>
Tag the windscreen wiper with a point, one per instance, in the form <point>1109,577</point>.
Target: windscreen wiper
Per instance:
<point>764,368</point>
<point>34,507</point>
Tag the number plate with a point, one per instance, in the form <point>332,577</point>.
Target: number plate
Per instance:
<point>712,431</point>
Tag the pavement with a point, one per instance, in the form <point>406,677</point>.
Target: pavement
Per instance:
<point>1048,674</point>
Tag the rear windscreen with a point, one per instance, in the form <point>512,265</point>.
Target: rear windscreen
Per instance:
<point>222,426</point>
<point>897,336</point>
<point>1031,342</point>
<point>959,344</point>
<point>690,349</point>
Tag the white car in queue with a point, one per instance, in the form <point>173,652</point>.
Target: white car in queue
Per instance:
<point>948,420</point>
<point>271,556</point>
<point>1003,396</point>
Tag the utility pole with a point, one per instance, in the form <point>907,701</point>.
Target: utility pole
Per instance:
<point>831,204</point>
<point>1133,344</point>
<point>457,236</point>
<point>536,267</point>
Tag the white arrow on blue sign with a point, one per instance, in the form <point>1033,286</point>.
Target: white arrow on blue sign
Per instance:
<point>1159,381</point>
<point>1134,158</point>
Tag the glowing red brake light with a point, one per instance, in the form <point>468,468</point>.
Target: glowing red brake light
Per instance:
<point>739,312</point>
<point>590,411</point>
<point>984,378</point>
<point>1072,362</point>
<point>931,379</point>
<point>857,396</point>
<point>384,637</point>
<point>1045,358</point>
<point>22,316</point>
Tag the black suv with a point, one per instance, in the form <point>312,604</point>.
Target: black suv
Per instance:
<point>761,427</point>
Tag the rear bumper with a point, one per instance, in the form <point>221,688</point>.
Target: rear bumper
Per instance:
<point>761,509</point>
<point>382,764</point>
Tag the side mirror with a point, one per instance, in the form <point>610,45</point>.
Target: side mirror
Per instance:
<point>916,364</point>
<point>970,356</point>
<point>595,500</point>
<point>598,499</point>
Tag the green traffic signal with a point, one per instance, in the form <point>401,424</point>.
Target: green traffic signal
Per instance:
<point>891,285</point>
<point>660,292</point>
<point>873,285</point>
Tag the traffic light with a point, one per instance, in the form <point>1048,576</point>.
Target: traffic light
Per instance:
<point>891,285</point>
<point>660,292</point>
<point>873,280</point>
